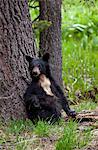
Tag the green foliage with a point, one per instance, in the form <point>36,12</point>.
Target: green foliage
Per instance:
<point>41,25</point>
<point>37,25</point>
<point>68,140</point>
<point>85,106</point>
<point>42,128</point>
<point>72,139</point>
<point>84,137</point>
<point>65,135</point>
<point>80,45</point>
<point>33,12</point>
<point>18,126</point>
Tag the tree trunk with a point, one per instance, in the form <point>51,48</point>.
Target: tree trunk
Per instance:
<point>50,39</point>
<point>16,40</point>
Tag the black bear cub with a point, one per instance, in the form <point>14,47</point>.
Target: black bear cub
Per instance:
<point>44,98</point>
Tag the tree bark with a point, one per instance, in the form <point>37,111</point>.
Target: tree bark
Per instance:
<point>16,40</point>
<point>50,39</point>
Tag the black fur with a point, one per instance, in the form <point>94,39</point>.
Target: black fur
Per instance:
<point>39,105</point>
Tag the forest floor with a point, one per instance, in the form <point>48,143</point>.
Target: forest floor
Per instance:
<point>81,134</point>
<point>90,118</point>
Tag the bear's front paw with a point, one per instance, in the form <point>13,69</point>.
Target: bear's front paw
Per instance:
<point>72,113</point>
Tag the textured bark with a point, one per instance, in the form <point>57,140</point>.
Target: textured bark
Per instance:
<point>16,40</point>
<point>50,39</point>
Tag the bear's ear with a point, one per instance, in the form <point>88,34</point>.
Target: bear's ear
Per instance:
<point>28,58</point>
<point>46,57</point>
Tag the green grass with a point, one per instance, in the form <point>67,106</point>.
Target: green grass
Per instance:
<point>19,126</point>
<point>80,45</point>
<point>72,138</point>
<point>25,135</point>
<point>42,128</point>
<point>85,106</point>
<point>68,140</point>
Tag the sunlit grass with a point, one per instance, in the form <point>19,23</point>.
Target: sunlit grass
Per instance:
<point>68,140</point>
<point>80,46</point>
<point>86,105</point>
<point>65,134</point>
<point>42,128</point>
<point>18,126</point>
<point>72,139</point>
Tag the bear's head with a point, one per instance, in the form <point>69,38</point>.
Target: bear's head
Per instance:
<point>38,66</point>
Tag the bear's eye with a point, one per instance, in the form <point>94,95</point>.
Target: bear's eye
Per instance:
<point>38,65</point>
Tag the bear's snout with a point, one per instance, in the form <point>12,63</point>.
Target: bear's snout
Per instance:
<point>36,71</point>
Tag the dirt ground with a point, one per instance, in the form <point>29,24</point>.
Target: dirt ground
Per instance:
<point>90,118</point>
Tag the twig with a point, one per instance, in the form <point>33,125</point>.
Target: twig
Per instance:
<point>34,7</point>
<point>35,19</point>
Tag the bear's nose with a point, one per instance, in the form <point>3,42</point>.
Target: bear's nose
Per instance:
<point>35,73</point>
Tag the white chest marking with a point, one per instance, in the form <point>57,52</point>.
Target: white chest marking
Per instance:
<point>45,84</point>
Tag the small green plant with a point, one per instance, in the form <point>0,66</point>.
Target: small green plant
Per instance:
<point>86,105</point>
<point>72,138</point>
<point>18,126</point>
<point>84,137</point>
<point>42,128</point>
<point>68,140</point>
